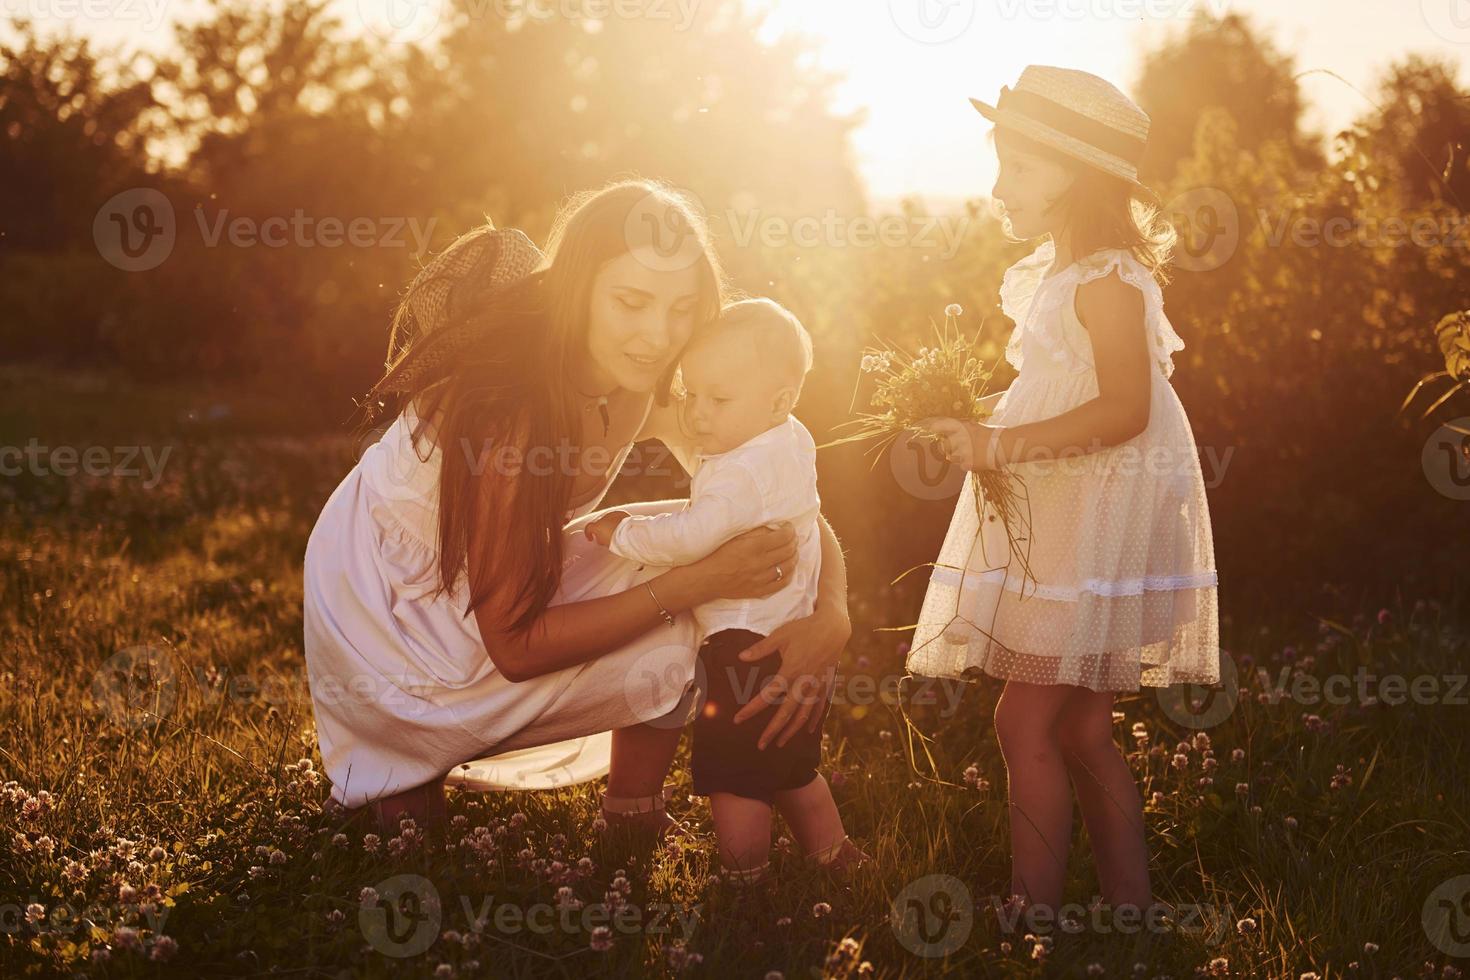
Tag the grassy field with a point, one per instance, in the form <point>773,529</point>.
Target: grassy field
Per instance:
<point>1293,834</point>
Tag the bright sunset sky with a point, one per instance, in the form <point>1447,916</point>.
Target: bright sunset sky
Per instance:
<point>912,63</point>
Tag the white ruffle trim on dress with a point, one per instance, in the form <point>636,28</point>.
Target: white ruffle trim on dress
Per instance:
<point>1135,586</point>
<point>1033,301</point>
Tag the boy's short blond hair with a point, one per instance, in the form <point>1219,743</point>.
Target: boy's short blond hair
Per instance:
<point>781,342</point>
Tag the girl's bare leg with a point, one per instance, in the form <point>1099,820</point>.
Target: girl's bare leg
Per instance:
<point>1040,796</point>
<point>1108,794</point>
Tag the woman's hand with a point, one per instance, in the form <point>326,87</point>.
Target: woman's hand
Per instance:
<point>969,445</point>
<point>745,567</point>
<point>809,649</point>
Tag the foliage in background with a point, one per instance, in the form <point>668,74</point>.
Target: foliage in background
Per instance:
<point>1301,339</point>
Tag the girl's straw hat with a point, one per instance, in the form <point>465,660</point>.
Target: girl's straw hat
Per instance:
<point>1075,112</point>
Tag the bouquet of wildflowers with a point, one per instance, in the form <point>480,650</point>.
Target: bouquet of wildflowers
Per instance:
<point>945,380</point>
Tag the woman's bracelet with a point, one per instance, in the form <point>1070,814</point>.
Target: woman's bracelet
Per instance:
<point>668,616</point>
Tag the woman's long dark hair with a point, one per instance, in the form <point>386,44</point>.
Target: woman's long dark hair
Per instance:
<point>500,513</point>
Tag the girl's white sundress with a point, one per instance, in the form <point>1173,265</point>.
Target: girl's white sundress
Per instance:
<point>402,688</point>
<point>1124,591</point>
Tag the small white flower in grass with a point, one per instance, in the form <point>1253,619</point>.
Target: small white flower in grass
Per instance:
<point>278,856</point>
<point>602,939</point>
<point>954,309</point>
<point>371,843</point>
<point>157,854</point>
<point>35,912</point>
<point>164,947</point>
<point>821,909</point>
<point>444,970</point>
<point>368,896</point>
<point>126,937</point>
<point>1370,948</point>
<point>1246,926</point>
<point>335,916</point>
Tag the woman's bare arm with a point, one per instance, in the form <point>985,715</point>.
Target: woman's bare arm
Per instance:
<point>573,633</point>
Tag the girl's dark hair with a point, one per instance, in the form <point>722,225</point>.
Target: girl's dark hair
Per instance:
<point>500,514</point>
<point>1103,211</point>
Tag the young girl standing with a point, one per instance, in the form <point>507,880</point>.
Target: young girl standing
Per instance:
<point>1122,591</point>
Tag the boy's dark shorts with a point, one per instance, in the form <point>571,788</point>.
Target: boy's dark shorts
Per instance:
<point>725,756</point>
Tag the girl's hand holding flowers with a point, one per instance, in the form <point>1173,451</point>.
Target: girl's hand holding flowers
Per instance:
<point>943,392</point>
<point>968,444</point>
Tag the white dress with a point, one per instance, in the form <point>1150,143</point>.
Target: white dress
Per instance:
<point>402,688</point>
<point>1120,547</point>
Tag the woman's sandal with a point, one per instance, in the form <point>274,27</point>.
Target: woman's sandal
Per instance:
<point>646,813</point>
<point>842,859</point>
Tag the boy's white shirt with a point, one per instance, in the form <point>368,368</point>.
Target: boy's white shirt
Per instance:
<point>765,480</point>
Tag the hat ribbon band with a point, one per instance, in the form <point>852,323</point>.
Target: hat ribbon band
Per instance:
<point>1072,123</point>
